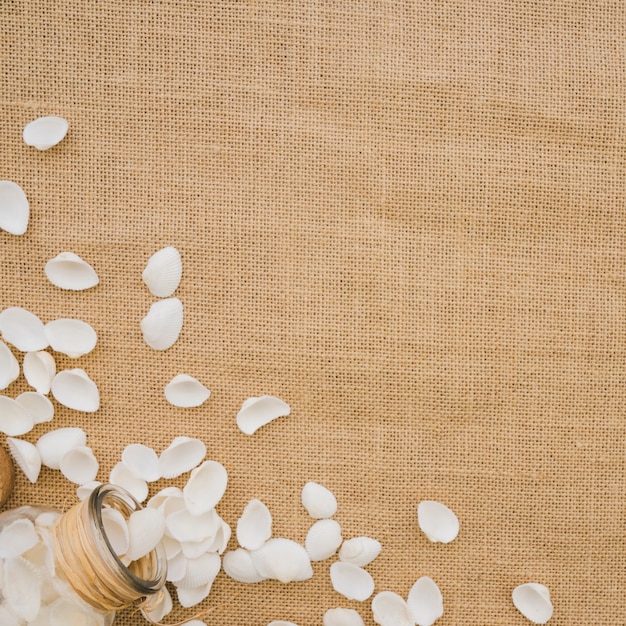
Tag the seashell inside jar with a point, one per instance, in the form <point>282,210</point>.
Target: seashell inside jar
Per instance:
<point>63,568</point>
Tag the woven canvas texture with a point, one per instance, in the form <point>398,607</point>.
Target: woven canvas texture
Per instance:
<point>404,218</point>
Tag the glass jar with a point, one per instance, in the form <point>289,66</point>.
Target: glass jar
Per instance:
<point>61,568</point>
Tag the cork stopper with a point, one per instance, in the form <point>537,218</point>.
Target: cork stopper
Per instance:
<point>7,476</point>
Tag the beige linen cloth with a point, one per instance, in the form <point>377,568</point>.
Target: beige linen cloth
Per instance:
<point>404,218</point>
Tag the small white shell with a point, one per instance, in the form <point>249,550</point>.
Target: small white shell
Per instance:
<point>115,529</point>
<point>283,560</point>
<point>159,605</point>
<point>532,600</point>
<point>122,476</point>
<point>75,390</point>
<point>9,367</point>
<point>22,329</point>
<point>359,550</point>
<point>68,271</point>
<point>205,487</point>
<point>163,272</point>
<point>163,323</point>
<point>221,537</point>
<point>323,539</point>
<point>176,567</point>
<point>165,497</point>
<point>142,461</point>
<point>39,370</point>
<point>17,537</point>
<point>26,456</point>
<point>437,521</point>
<point>71,337</point>
<point>390,609</point>
<point>351,581</point>
<point>343,617</point>
<point>186,527</point>
<point>14,208</point>
<point>84,491</point>
<point>45,132</point>
<point>145,530</point>
<point>425,601</point>
<point>55,443</point>
<point>256,412</point>
<point>40,408</point>
<point>254,527</point>
<point>22,588</point>
<point>201,570</point>
<point>239,566</point>
<point>186,391</point>
<point>182,455</point>
<point>319,501</point>
<point>79,465</point>
<point>15,420</point>
<point>190,596</point>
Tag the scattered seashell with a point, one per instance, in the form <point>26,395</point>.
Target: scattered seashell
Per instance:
<point>323,539</point>
<point>171,546</point>
<point>163,498</point>
<point>17,537</point>
<point>75,390</point>
<point>39,407</point>
<point>319,501</point>
<point>201,570</point>
<point>221,537</point>
<point>283,560</point>
<point>123,477</point>
<point>190,596</point>
<point>532,600</point>
<point>22,329</point>
<point>390,609</point>
<point>115,530</point>
<point>26,456</point>
<point>182,455</point>
<point>54,444</point>
<point>15,420</point>
<point>256,412</point>
<point>14,208</point>
<point>239,566</point>
<point>79,465</point>
<point>359,550</point>
<point>437,521</point>
<point>84,491</point>
<point>343,617</point>
<point>351,581</point>
<point>39,370</point>
<point>145,530</point>
<point>254,527</point>
<point>425,601</point>
<point>22,588</point>
<point>68,271</point>
<point>163,323</point>
<point>9,367</point>
<point>163,272</point>
<point>45,132</point>
<point>186,391</point>
<point>142,461</point>
<point>205,487</point>
<point>71,337</point>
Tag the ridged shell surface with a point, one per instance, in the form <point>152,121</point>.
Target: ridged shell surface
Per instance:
<point>323,539</point>
<point>163,272</point>
<point>45,132</point>
<point>69,271</point>
<point>163,323</point>
<point>14,208</point>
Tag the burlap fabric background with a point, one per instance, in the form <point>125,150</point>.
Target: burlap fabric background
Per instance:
<point>406,219</point>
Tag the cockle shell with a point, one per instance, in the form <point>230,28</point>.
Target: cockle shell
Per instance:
<point>15,420</point>
<point>163,323</point>
<point>201,570</point>
<point>256,412</point>
<point>437,521</point>
<point>205,487</point>
<point>45,132</point>
<point>9,367</point>
<point>22,588</point>
<point>40,408</point>
<point>190,596</point>
<point>186,527</point>
<point>254,527</point>
<point>55,443</point>
<point>39,370</point>
<point>359,550</point>
<point>319,501</point>
<point>68,271</point>
<point>75,390</point>
<point>425,601</point>
<point>182,455</point>
<point>343,617</point>
<point>79,465</point>
<point>351,581</point>
<point>163,498</point>
<point>186,391</point>
<point>239,566</point>
<point>84,491</point>
<point>142,461</point>
<point>323,539</point>
<point>145,530</point>
<point>22,329</point>
<point>176,567</point>
<point>115,529</point>
<point>17,537</point>
<point>26,456</point>
<point>532,600</point>
<point>122,476</point>
<point>163,272</point>
<point>14,208</point>
<point>390,609</point>
<point>283,560</point>
<point>71,337</point>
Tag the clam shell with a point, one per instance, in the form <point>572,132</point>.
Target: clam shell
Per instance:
<point>351,581</point>
<point>26,456</point>
<point>17,537</point>
<point>45,132</point>
<point>14,208</point>
<point>163,323</point>
<point>205,487</point>
<point>221,537</point>
<point>319,501</point>
<point>22,588</point>
<point>146,528</point>
<point>182,455</point>
<point>254,527</point>
<point>437,521</point>
<point>115,530</point>
<point>190,596</point>
<point>425,601</point>
<point>55,443</point>
<point>23,329</point>
<point>159,605</point>
<point>532,600</point>
<point>171,546</point>
<point>194,549</point>
<point>142,461</point>
<point>9,367</point>
<point>39,370</point>
<point>201,570</point>
<point>71,337</point>
<point>256,412</point>
<point>359,550</point>
<point>283,560</point>
<point>186,391</point>
<point>68,271</point>
<point>186,527</point>
<point>84,491</point>
<point>163,272</point>
<point>390,609</point>
<point>176,567</point>
<point>15,420</point>
<point>323,539</point>
<point>40,408</point>
<point>79,465</point>
<point>75,390</point>
<point>343,617</point>
<point>122,476</point>
<point>167,495</point>
<point>239,566</point>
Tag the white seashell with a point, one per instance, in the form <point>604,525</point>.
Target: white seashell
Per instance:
<point>159,605</point>
<point>75,390</point>
<point>186,527</point>
<point>176,567</point>
<point>239,566</point>
<point>68,271</point>
<point>359,550</point>
<point>282,559</point>
<point>351,581</point>
<point>163,272</point>
<point>115,530</point>
<point>26,456</point>
<point>40,408</point>
<point>390,609</point>
<point>221,537</point>
<point>14,208</point>
<point>194,549</point>
<point>190,596</point>
<point>39,370</point>
<point>122,476</point>
<point>142,461</point>
<point>437,521</point>
<point>84,491</point>
<point>182,455</point>
<point>425,601</point>
<point>17,537</point>
<point>9,367</point>
<point>205,487</point>
<point>46,519</point>
<point>56,443</point>
<point>15,420</point>
<point>145,529</point>
<point>71,337</point>
<point>23,329</point>
<point>171,546</point>
<point>323,539</point>
<point>45,132</point>
<point>22,588</point>
<point>161,499</point>
<point>79,465</point>
<point>532,600</point>
<point>256,412</point>
<point>254,527</point>
<point>319,501</point>
<point>343,617</point>
<point>163,323</point>
<point>201,570</point>
<point>186,391</point>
